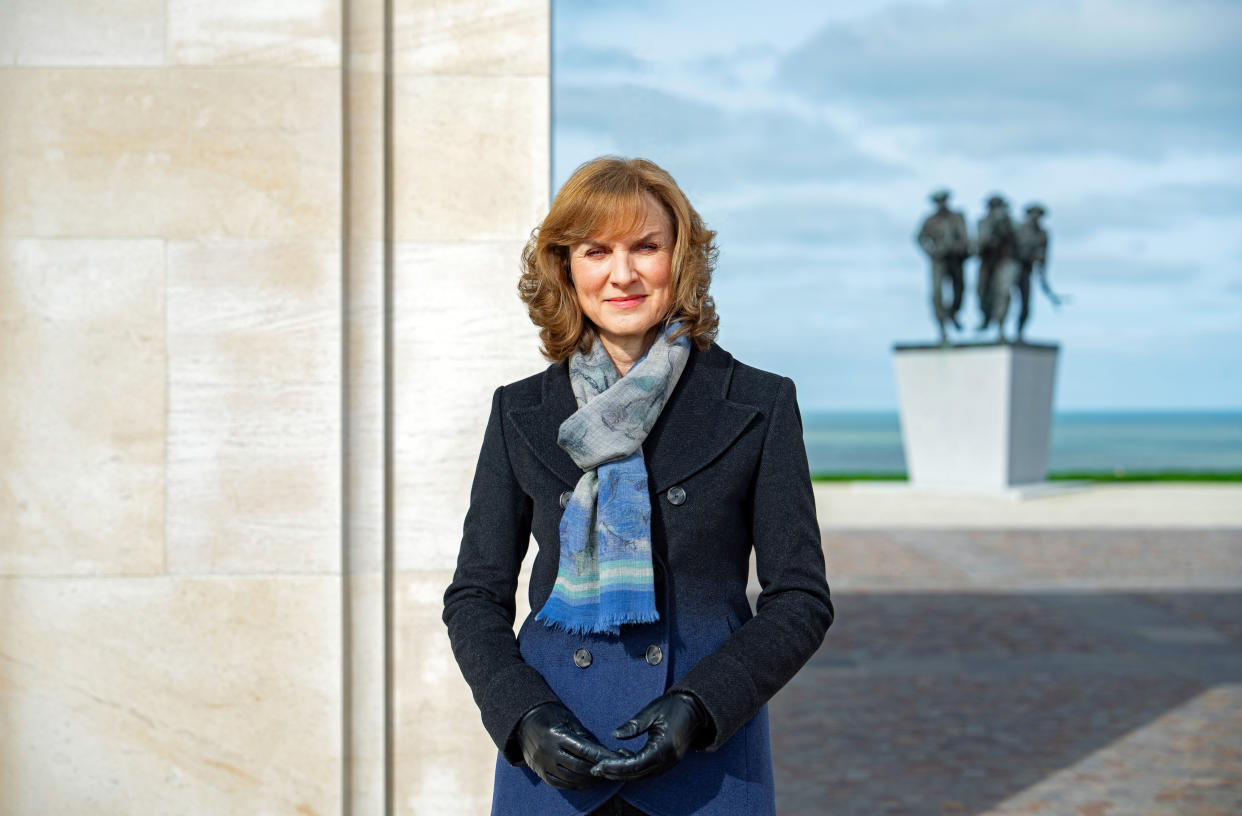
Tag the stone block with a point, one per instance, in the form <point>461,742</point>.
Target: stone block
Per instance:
<point>257,32</point>
<point>366,36</point>
<point>174,153</point>
<point>472,37</point>
<point>170,695</point>
<point>248,311</point>
<point>443,757</point>
<point>366,672</point>
<point>976,417</point>
<point>254,480</point>
<point>82,32</point>
<point>365,116</point>
<point>364,421</point>
<point>82,407</point>
<point>471,157</point>
<point>459,333</point>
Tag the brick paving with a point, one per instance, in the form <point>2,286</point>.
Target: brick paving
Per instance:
<point>1058,672</point>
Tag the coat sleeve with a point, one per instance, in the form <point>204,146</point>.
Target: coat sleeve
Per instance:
<point>479,603</point>
<point>794,610</point>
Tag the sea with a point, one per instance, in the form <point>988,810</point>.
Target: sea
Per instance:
<point>1104,442</point>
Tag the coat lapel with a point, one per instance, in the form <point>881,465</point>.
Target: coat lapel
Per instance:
<point>539,425</point>
<point>697,424</point>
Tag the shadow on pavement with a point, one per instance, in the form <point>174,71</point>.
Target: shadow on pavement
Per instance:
<point>952,702</point>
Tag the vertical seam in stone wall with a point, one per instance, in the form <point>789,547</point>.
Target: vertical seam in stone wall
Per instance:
<point>347,600</point>
<point>387,170</point>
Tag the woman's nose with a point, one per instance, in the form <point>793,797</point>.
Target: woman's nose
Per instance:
<point>622,268</point>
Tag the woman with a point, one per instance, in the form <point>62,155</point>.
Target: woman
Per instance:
<point>648,463</point>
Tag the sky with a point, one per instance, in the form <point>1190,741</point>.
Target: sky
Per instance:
<point>809,135</point>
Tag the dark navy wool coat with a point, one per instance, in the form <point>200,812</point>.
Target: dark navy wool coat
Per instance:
<point>727,473</point>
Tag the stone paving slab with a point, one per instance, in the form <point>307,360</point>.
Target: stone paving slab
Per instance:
<point>1194,746</point>
<point>1008,672</point>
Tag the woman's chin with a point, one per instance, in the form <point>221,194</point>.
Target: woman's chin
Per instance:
<point>626,332</point>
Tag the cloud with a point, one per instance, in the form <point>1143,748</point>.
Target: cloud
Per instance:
<point>788,221</point>
<point>668,33</point>
<point>1155,208</point>
<point>1112,275</point>
<point>574,61</point>
<point>1138,76</point>
<point>706,147</point>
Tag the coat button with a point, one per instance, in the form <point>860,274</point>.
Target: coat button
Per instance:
<point>676,495</point>
<point>654,655</point>
<point>582,658</point>
<point>565,497</point>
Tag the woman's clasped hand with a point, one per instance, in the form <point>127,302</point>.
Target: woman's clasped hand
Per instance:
<point>560,750</point>
<point>673,722</point>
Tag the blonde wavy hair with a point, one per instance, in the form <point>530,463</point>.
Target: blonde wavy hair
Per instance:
<point>607,197</point>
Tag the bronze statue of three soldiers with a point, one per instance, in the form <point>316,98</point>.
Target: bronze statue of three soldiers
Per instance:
<point>1008,255</point>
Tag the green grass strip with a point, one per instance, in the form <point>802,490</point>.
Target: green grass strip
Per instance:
<point>1145,476</point>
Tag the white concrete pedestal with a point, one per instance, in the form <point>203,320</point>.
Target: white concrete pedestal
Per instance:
<point>976,418</point>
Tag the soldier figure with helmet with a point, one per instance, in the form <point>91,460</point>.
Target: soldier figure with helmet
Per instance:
<point>943,237</point>
<point>1032,246</point>
<point>997,273</point>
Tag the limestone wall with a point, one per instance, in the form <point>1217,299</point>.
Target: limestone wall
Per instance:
<point>257,268</point>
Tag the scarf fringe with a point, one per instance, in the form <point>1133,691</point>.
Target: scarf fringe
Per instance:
<point>609,625</point>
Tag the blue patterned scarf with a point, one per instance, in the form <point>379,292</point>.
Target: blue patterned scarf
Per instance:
<point>605,577</point>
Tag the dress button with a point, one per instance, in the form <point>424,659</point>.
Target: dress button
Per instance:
<point>582,658</point>
<point>676,495</point>
<point>654,655</point>
<point>565,497</point>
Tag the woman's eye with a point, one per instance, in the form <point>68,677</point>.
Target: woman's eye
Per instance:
<point>595,253</point>
<point>649,247</point>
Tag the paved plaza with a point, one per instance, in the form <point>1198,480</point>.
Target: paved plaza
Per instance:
<point>1093,671</point>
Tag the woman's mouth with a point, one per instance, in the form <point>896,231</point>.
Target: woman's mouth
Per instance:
<point>627,302</point>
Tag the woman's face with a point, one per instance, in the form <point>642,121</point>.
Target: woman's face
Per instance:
<point>625,282</point>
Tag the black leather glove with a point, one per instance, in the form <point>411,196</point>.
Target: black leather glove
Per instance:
<point>673,722</point>
<point>558,748</point>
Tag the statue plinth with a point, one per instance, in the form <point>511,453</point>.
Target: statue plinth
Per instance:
<point>976,417</point>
